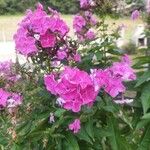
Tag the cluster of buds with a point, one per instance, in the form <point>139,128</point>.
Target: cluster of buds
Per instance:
<point>84,22</point>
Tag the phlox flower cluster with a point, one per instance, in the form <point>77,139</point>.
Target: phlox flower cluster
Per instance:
<point>76,88</point>
<point>40,32</point>
<point>9,99</point>
<point>86,4</point>
<point>83,24</point>
<point>112,78</point>
<point>7,71</point>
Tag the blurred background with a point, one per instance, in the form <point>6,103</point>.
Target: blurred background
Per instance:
<point>12,11</point>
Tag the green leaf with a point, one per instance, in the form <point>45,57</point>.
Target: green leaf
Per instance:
<point>89,128</point>
<point>145,140</point>
<point>99,55</point>
<point>146,116</point>
<point>59,112</point>
<point>145,77</point>
<point>145,97</point>
<point>72,142</point>
<point>1,147</point>
<point>117,142</point>
<point>15,147</point>
<point>115,51</point>
<point>83,135</point>
<point>142,61</point>
<point>142,124</point>
<point>114,137</point>
<point>24,128</point>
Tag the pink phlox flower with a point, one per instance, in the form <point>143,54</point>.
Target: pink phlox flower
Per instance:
<point>39,6</point>
<point>78,23</point>
<point>81,38</point>
<point>50,83</point>
<point>62,53</point>
<point>7,71</point>
<point>90,17</point>
<point>114,86</point>
<point>123,69</point>
<point>54,12</point>
<point>14,100</point>
<point>93,20</point>
<point>135,15</point>
<point>77,57</point>
<point>60,27</point>
<point>48,40</point>
<point>5,67</point>
<point>86,3</point>
<point>24,44</point>
<point>4,95</point>
<point>55,63</point>
<point>75,126</point>
<point>90,35</point>
<point>148,6</point>
<point>104,79</point>
<point>13,78</point>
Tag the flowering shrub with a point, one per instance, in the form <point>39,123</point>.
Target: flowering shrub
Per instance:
<point>73,94</point>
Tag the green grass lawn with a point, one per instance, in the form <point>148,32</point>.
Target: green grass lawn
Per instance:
<point>8,25</point>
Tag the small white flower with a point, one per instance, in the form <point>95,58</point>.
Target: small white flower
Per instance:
<point>60,101</point>
<point>124,101</point>
<point>51,118</point>
<point>37,36</point>
<point>11,103</point>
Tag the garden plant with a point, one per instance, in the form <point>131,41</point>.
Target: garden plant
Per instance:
<point>74,92</point>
